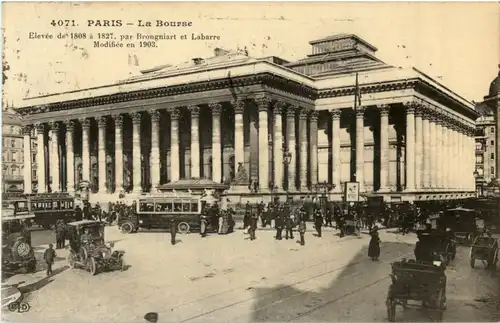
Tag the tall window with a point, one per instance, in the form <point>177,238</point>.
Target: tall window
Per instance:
<point>13,143</point>
<point>479,159</point>
<point>492,171</point>
<point>492,156</point>
<point>492,129</point>
<point>14,156</point>
<point>493,143</point>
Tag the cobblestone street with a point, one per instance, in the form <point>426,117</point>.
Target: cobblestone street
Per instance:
<point>230,278</point>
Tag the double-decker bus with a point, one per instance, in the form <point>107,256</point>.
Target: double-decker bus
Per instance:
<point>155,212</point>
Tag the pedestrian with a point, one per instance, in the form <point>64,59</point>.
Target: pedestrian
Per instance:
<point>318,221</point>
<point>49,256</point>
<point>253,225</point>
<point>78,213</point>
<point>173,230</point>
<point>374,245</point>
<point>290,222</point>
<point>328,218</point>
<point>302,231</point>
<point>60,234</point>
<point>203,223</point>
<point>279,225</point>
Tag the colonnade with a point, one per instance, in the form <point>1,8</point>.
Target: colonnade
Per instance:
<point>439,148</point>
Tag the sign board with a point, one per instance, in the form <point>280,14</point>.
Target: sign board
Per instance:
<point>351,192</point>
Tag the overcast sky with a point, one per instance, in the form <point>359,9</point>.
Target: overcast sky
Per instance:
<point>456,43</point>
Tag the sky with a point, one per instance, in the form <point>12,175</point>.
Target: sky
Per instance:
<point>458,44</point>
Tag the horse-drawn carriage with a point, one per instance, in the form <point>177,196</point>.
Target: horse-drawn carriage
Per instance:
<point>435,245</point>
<point>416,281</point>
<point>464,223</point>
<point>486,249</point>
<point>88,249</point>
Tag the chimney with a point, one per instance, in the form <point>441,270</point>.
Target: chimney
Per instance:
<point>198,60</point>
<point>220,52</point>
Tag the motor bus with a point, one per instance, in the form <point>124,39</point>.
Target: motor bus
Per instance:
<point>155,212</point>
<point>47,208</point>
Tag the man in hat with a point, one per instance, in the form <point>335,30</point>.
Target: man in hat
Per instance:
<point>318,221</point>
<point>302,230</point>
<point>173,230</point>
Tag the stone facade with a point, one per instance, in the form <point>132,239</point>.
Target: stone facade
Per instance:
<point>410,139</point>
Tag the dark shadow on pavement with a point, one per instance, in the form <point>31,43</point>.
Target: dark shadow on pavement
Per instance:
<point>43,282</point>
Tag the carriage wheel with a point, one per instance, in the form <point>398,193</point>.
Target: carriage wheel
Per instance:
<point>71,260</point>
<point>183,228</point>
<point>92,266</point>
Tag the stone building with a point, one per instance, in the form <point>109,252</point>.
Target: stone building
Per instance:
<point>492,101</point>
<point>14,142</point>
<point>485,149</point>
<point>290,126</point>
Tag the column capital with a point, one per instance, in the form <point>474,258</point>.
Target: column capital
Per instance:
<point>384,109</point>
<point>70,125</point>
<point>174,113</point>
<point>27,129</point>
<point>262,102</point>
<point>40,127</point>
<point>279,107</point>
<point>118,120</point>
<point>410,107</point>
<point>85,122</point>
<point>314,116</point>
<point>54,126</point>
<point>238,106</point>
<point>360,112</point>
<point>102,121</point>
<point>216,108</point>
<point>136,117</point>
<point>336,114</point>
<point>303,114</point>
<point>290,111</point>
<point>194,110</point>
<point>155,115</point>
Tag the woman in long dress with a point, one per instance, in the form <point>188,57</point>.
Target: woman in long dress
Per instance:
<point>374,246</point>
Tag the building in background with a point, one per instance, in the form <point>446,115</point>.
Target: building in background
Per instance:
<point>485,149</point>
<point>339,115</point>
<point>12,154</point>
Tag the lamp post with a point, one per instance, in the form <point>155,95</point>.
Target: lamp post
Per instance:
<point>324,187</point>
<point>287,159</point>
<point>476,176</point>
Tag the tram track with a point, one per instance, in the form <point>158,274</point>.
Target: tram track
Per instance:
<point>302,281</point>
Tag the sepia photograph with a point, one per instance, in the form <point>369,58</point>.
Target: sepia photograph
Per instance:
<point>250,162</point>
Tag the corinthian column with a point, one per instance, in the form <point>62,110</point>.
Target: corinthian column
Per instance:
<point>448,161</point>
<point>419,149</point>
<point>303,149</point>
<point>216,142</point>
<point>40,158</point>
<point>384,148</point>
<point>313,128</point>
<point>195,141</point>
<point>118,153</point>
<point>336,150</point>
<point>263,106</point>
<point>360,148</point>
<point>426,155</point>
<point>70,156</point>
<point>278,144</point>
<point>28,181</point>
<point>410,147</point>
<point>85,149</point>
<point>433,150</point>
<point>55,161</point>
<point>101,153</point>
<point>155,149</point>
<point>439,152</point>
<point>291,146</point>
<point>175,168</point>
<point>136,152</point>
<point>239,144</point>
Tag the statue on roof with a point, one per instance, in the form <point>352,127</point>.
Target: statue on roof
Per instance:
<point>241,175</point>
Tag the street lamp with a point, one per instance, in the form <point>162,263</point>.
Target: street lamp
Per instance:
<point>287,159</point>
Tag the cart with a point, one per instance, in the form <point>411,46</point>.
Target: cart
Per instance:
<point>484,249</point>
<point>416,281</point>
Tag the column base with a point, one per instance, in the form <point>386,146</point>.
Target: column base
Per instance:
<point>383,190</point>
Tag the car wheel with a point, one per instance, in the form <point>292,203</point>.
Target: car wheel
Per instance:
<point>127,227</point>
<point>92,266</point>
<point>183,228</point>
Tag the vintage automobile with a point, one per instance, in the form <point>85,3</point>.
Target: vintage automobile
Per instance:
<point>463,222</point>
<point>416,281</point>
<point>155,212</point>
<point>89,250</point>
<point>484,248</point>
<point>17,252</point>
<point>435,245</point>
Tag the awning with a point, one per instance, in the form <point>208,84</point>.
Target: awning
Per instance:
<point>199,184</point>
